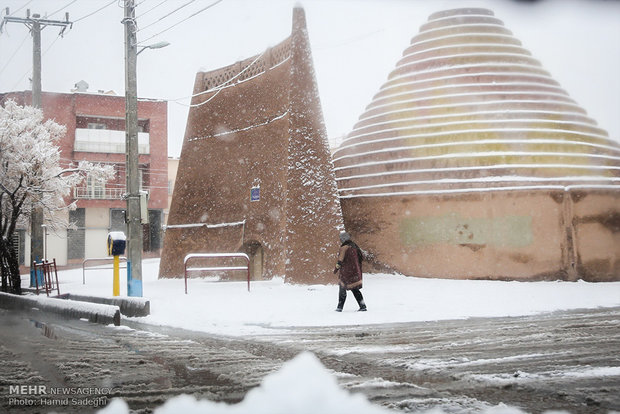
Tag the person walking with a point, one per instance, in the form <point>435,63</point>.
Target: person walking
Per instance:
<point>349,269</point>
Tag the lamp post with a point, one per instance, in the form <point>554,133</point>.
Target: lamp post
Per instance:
<point>134,222</point>
<point>157,45</point>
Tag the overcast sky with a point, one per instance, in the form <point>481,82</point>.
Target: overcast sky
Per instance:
<point>355,44</point>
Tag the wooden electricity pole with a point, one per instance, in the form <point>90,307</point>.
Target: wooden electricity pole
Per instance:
<point>35,23</point>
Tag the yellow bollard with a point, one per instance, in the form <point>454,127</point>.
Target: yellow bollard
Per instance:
<point>116,285</point>
<point>116,247</point>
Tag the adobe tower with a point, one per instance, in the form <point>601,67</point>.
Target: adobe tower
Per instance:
<point>255,173</point>
<point>472,162</point>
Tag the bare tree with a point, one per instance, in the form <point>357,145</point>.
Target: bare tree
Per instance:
<point>31,177</point>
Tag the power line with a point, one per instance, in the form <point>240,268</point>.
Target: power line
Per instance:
<point>152,8</point>
<point>218,88</point>
<point>51,44</point>
<point>62,8</point>
<point>96,11</point>
<point>14,53</point>
<point>187,18</point>
<point>35,25</point>
<point>169,14</point>
<point>43,54</point>
<point>30,1</point>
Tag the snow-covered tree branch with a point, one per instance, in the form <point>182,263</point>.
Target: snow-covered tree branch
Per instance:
<point>31,177</point>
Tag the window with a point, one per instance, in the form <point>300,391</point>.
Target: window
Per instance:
<point>96,125</point>
<point>117,220</point>
<point>95,188</point>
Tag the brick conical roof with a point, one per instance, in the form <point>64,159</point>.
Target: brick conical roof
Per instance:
<point>467,108</point>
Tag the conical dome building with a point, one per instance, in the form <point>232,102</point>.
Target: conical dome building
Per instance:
<point>472,162</point>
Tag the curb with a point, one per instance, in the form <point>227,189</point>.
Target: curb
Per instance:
<point>94,312</point>
<point>128,306</point>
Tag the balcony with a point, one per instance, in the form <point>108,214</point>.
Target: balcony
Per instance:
<point>107,141</point>
<point>97,193</point>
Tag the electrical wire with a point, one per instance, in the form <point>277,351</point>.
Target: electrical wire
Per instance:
<point>42,55</point>
<point>14,53</point>
<point>151,9</point>
<point>169,14</point>
<point>218,88</point>
<point>95,12</point>
<point>178,23</point>
<point>51,44</point>
<point>62,8</point>
<point>27,3</point>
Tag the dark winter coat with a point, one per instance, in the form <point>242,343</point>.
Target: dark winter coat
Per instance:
<point>350,260</point>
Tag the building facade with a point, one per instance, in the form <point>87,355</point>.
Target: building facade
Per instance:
<point>95,125</point>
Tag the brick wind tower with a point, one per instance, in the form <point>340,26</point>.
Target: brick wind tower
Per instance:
<point>255,173</point>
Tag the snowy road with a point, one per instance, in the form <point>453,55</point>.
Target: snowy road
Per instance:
<point>564,360</point>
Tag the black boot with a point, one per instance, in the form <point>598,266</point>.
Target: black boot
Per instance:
<point>342,297</point>
<point>360,300</point>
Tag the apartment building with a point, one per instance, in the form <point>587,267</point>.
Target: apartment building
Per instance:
<point>95,125</point>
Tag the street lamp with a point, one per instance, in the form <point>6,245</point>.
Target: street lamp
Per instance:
<point>134,222</point>
<point>157,45</point>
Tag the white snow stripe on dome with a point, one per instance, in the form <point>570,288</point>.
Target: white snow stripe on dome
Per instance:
<point>503,36</point>
<point>485,66</point>
<point>461,26</point>
<point>358,132</point>
<point>478,142</point>
<point>495,75</point>
<point>480,168</point>
<point>496,179</point>
<point>481,130</point>
<point>414,120</point>
<point>466,104</point>
<point>488,189</point>
<point>466,85</point>
<point>479,13</point>
<point>467,45</point>
<point>489,54</point>
<point>482,155</point>
<point>565,97</point>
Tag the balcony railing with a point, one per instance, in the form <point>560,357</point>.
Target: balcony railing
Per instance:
<point>90,193</point>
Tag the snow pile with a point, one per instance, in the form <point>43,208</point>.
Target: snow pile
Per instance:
<point>302,386</point>
<point>94,312</point>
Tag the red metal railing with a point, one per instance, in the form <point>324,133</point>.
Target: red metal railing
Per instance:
<point>193,256</point>
<point>46,268</point>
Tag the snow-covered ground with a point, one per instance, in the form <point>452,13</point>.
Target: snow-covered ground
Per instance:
<point>227,308</point>
<point>303,385</point>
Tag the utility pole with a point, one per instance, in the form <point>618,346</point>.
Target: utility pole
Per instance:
<point>36,24</point>
<point>134,222</point>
